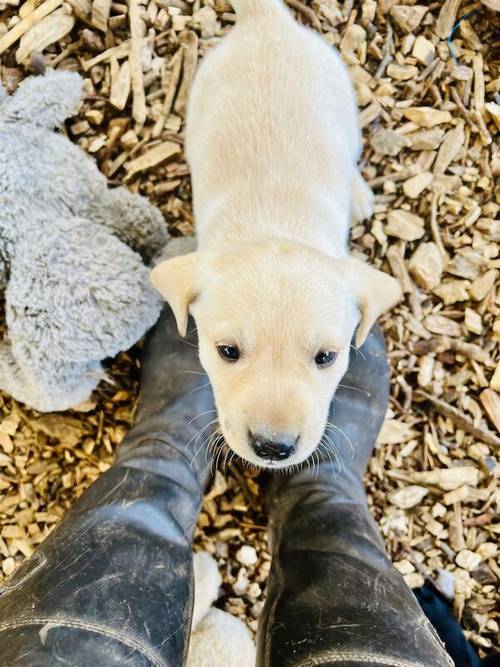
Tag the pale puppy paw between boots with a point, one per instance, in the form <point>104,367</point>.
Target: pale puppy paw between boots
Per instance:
<point>218,639</point>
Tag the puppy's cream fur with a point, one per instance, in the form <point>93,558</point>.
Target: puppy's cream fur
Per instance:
<point>272,142</point>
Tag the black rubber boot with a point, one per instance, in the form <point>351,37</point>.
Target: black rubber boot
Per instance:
<point>112,585</point>
<point>333,596</point>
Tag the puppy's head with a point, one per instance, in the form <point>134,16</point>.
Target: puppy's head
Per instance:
<point>275,322</point>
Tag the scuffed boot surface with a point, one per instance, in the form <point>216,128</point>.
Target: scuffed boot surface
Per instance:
<point>112,585</point>
<point>176,401</point>
<point>333,596</point>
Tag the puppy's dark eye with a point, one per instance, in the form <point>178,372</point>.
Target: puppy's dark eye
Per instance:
<point>325,359</point>
<point>228,352</point>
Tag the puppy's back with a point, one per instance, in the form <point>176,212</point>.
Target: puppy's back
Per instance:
<point>273,101</point>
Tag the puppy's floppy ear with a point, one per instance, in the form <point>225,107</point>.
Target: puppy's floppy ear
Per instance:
<point>179,281</point>
<point>374,290</point>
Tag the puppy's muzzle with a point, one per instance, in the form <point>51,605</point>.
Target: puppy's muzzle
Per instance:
<point>277,448</point>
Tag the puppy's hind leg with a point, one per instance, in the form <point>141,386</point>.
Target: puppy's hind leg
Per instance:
<point>362,199</point>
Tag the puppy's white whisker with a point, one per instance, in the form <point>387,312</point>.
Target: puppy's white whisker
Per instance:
<point>212,450</point>
<point>317,462</point>
<point>211,443</point>
<point>231,459</point>
<point>358,351</point>
<point>363,391</point>
<point>323,446</point>
<point>207,412</point>
<point>217,443</point>
<point>325,449</point>
<point>187,342</point>
<point>197,451</point>
<point>207,384</point>
<point>211,437</point>
<point>226,456</point>
<point>199,433</point>
<point>217,458</point>
<point>339,430</point>
<point>333,448</point>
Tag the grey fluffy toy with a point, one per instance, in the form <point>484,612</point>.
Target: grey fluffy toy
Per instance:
<point>72,253</point>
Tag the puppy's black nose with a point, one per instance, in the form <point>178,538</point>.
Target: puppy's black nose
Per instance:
<point>277,448</point>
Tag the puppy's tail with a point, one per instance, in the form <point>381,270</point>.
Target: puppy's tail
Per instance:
<point>248,8</point>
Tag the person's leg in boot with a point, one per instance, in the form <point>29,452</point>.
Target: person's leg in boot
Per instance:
<point>112,585</point>
<point>333,596</point>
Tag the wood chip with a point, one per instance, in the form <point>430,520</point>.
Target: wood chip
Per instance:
<point>120,51</point>
<point>426,140</point>
<point>414,186</point>
<point>408,17</point>
<point>426,265</point>
<point>479,91</point>
<point>494,5</point>
<point>408,496</point>
<point>450,147</point>
<point>120,84</point>
<point>60,427</point>
<point>495,379</point>
<point>414,580</point>
<point>482,285</point>
<point>461,420</point>
<point>447,17</point>
<point>30,20</point>
<point>473,321</point>
<point>371,113</point>
<point>448,478</point>
<point>439,324</point>
<point>426,370</point>
<point>47,31</point>
<point>394,432</point>
<point>404,225</point>
<point>176,64</point>
<point>402,72</point>
<point>453,291</point>
<point>135,60</point>
<point>306,11</point>
<point>353,45</point>
<point>423,50</point>
<point>189,42</point>
<point>427,116</point>
<point>100,14</point>
<point>81,8</point>
<point>152,158</point>
<point>493,110</point>
<point>468,560</point>
<point>490,400</point>
<point>388,142</point>
<point>399,270</point>
<point>458,495</point>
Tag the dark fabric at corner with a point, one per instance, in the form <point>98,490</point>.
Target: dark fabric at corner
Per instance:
<point>439,613</point>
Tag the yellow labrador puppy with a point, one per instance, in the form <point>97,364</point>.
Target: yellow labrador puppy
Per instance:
<point>272,142</point>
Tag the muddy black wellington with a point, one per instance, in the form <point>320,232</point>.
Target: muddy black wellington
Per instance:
<point>112,585</point>
<point>333,597</point>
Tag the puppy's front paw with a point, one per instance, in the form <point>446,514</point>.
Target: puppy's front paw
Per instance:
<point>362,199</point>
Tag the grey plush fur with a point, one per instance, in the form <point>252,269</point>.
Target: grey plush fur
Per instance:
<point>72,253</point>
